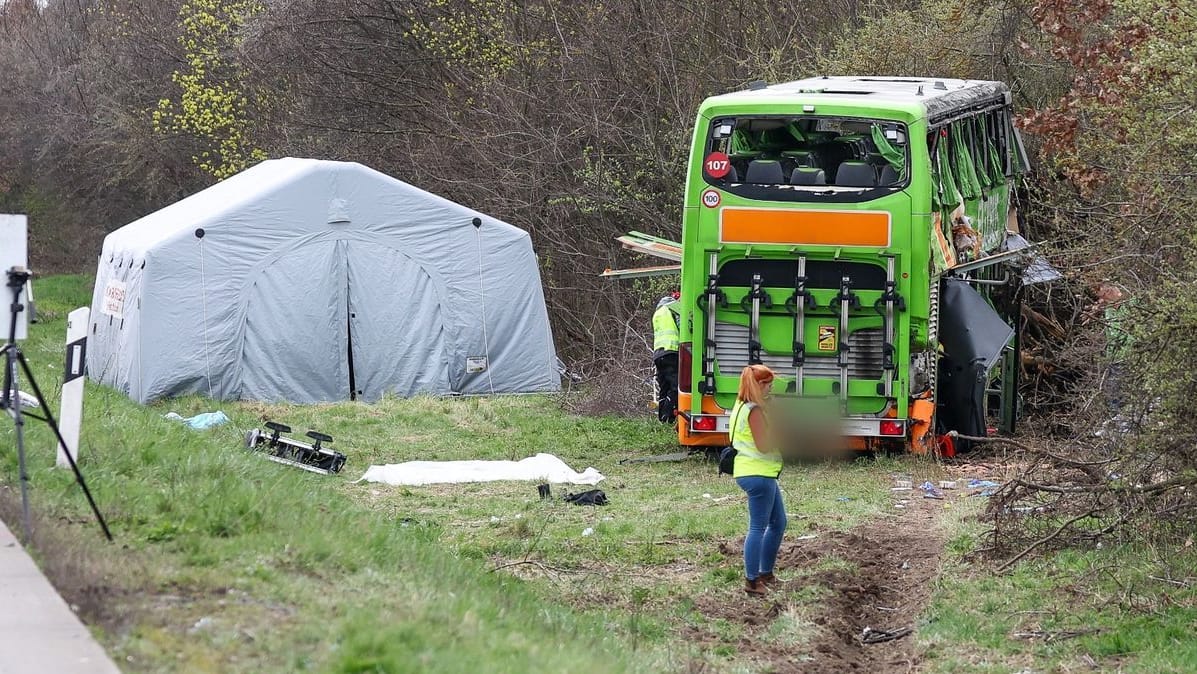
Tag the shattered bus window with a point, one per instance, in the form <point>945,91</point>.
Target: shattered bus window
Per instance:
<point>807,158</point>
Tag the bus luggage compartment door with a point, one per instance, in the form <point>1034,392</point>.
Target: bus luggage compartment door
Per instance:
<point>973,336</point>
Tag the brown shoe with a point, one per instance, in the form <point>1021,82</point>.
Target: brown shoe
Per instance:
<point>754,588</point>
<point>769,580</point>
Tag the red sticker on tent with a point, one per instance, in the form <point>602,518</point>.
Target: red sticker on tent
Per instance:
<point>717,165</point>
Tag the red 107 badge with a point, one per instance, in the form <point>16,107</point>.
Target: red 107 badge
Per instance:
<point>717,165</point>
<point>710,198</point>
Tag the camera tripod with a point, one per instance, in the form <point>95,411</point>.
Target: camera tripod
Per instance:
<point>10,399</point>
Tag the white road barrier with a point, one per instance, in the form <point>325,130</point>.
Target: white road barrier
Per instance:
<point>70,417</point>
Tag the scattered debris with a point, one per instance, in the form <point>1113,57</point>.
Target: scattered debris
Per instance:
<point>930,491</point>
<point>981,484</point>
<point>313,458</point>
<point>201,624</point>
<point>595,497</point>
<point>199,421</point>
<point>27,400</point>
<point>871,636</point>
<point>588,531</point>
<point>1049,637</point>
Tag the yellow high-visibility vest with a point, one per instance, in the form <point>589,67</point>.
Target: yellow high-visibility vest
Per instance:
<point>750,461</point>
<point>665,328</point>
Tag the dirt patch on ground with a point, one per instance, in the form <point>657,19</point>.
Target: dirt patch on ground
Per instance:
<point>877,576</point>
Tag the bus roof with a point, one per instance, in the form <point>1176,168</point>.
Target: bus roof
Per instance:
<point>917,96</point>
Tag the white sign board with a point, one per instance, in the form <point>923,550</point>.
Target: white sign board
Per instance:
<point>114,300</point>
<point>70,417</point>
<point>13,253</point>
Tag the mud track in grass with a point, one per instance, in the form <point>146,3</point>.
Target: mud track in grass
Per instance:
<point>878,575</point>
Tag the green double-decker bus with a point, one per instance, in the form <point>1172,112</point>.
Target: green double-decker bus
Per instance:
<point>850,232</point>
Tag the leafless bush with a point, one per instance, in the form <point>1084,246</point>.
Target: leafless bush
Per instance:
<point>621,392</point>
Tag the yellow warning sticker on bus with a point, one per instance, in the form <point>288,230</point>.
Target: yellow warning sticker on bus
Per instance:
<point>826,340</point>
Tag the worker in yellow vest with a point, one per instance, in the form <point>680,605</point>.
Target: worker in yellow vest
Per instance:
<point>666,334</point>
<point>757,466</point>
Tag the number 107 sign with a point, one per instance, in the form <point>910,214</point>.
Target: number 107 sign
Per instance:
<point>717,165</point>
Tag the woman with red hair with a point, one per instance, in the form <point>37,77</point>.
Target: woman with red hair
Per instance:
<point>757,466</point>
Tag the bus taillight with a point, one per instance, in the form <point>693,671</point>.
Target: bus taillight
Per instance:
<point>685,366</point>
<point>891,427</point>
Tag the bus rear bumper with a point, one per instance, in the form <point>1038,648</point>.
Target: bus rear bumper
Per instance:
<point>711,430</point>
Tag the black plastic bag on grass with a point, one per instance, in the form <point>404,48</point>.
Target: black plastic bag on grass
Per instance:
<point>594,497</point>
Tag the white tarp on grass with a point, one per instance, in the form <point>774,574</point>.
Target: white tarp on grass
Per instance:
<point>542,468</point>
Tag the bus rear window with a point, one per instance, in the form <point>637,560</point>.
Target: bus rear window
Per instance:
<point>806,158</point>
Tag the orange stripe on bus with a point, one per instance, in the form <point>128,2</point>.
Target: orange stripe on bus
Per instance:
<point>814,228</point>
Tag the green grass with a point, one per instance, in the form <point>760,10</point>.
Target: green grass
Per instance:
<point>226,562</point>
<point>1123,608</point>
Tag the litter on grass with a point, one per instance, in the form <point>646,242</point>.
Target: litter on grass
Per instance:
<point>930,491</point>
<point>199,421</point>
<point>26,399</point>
<point>981,484</point>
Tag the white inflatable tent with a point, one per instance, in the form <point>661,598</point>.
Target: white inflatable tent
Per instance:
<point>308,281</point>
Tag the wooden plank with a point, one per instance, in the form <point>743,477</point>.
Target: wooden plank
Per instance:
<point>643,271</point>
<point>651,245</point>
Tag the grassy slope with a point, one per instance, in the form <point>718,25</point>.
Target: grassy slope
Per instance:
<point>226,562</point>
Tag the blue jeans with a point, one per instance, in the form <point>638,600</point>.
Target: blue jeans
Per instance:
<point>766,524</point>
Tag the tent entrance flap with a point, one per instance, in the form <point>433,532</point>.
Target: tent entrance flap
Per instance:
<point>397,325</point>
<point>295,340</point>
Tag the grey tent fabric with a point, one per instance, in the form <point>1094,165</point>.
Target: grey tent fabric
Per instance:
<point>308,281</point>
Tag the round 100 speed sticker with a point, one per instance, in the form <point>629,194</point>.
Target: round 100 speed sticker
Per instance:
<point>711,198</point>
